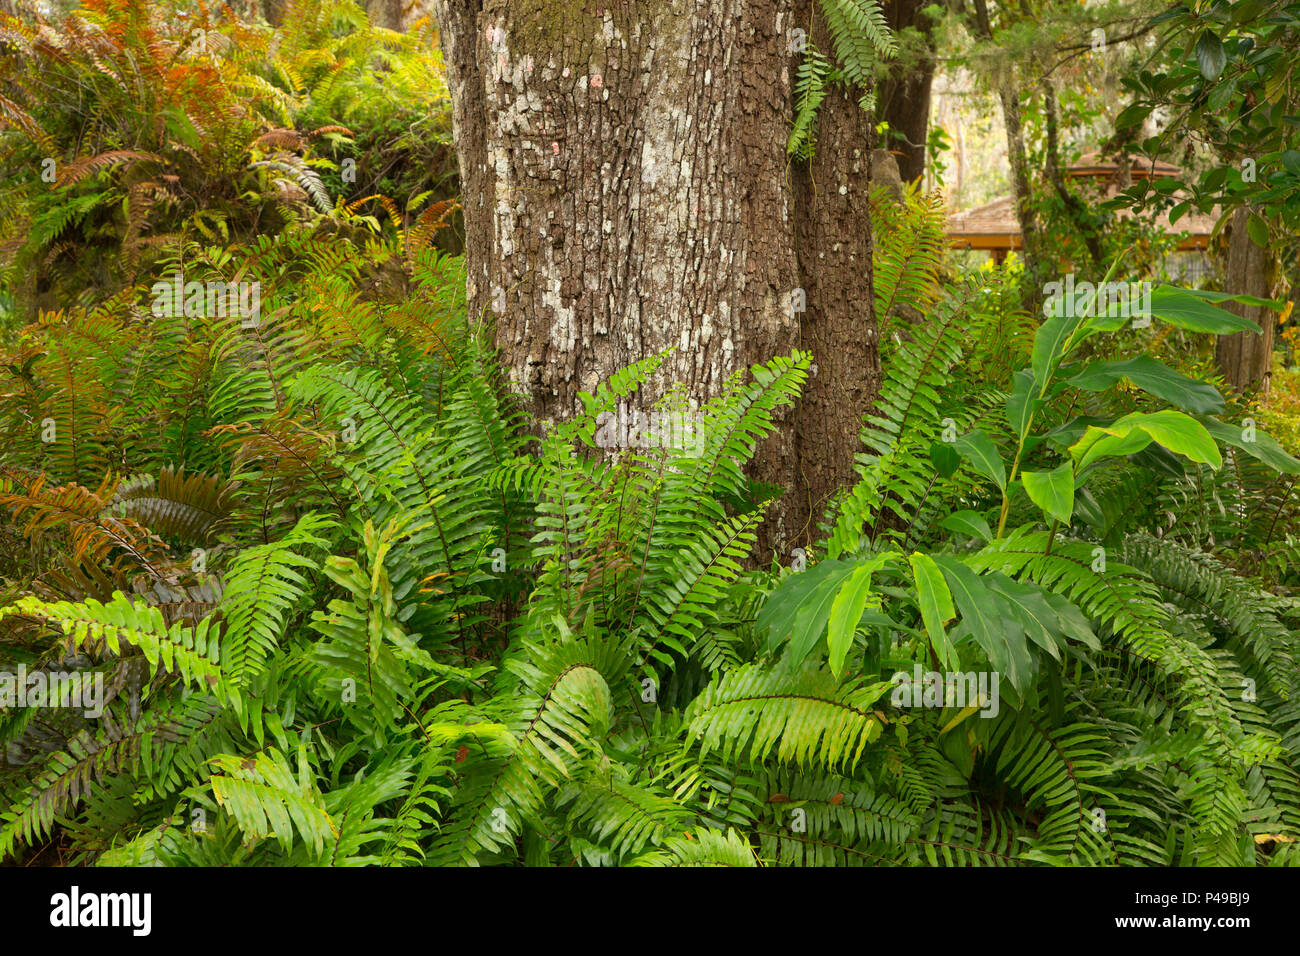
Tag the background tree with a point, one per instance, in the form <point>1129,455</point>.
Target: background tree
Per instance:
<point>1028,53</point>
<point>1226,77</point>
<point>389,14</point>
<point>904,95</point>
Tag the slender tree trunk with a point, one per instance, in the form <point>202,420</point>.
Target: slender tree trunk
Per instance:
<point>1246,358</point>
<point>904,98</point>
<point>1009,96</point>
<point>626,189</point>
<point>1056,176</point>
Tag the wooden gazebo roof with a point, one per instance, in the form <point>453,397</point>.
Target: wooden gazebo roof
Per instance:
<point>994,225</point>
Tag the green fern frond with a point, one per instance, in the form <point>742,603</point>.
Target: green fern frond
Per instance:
<point>269,801</point>
<point>805,716</point>
<point>702,847</point>
<point>563,709</point>
<point>861,36</point>
<point>262,585</point>
<point>189,651</point>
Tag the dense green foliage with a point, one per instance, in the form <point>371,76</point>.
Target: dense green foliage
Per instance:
<point>134,127</point>
<point>350,607</point>
<point>1229,82</point>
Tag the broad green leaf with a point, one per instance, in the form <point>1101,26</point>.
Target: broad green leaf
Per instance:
<point>1214,178</point>
<point>1257,229</point>
<point>1254,443</point>
<point>1161,460</point>
<point>1050,343</point>
<point>1071,620</point>
<point>782,611</point>
<point>962,715</point>
<point>846,611</point>
<point>1209,295</point>
<point>936,605</point>
<point>1211,56</point>
<point>1099,443</point>
<point>1131,116</point>
<point>1220,97</point>
<point>1022,402</point>
<point>977,448</point>
<point>1155,378</point>
<point>1053,491</point>
<point>1030,610</point>
<point>1067,433</point>
<point>810,622</point>
<point>985,615</point>
<point>801,606</point>
<point>1187,311</point>
<point>1087,509</point>
<point>945,458</point>
<point>1178,432</point>
<point>979,611</point>
<point>968,522</point>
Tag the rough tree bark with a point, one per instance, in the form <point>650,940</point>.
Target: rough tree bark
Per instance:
<point>1246,358</point>
<point>626,189</point>
<point>386,13</point>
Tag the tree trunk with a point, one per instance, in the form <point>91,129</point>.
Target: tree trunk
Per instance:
<point>1009,96</point>
<point>904,98</point>
<point>626,189</point>
<point>273,11</point>
<point>385,13</point>
<point>1246,358</point>
<point>1074,208</point>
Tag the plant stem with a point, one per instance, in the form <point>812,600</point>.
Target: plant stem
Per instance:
<point>1042,390</point>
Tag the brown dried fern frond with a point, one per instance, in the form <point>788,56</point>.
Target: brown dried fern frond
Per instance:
<point>79,169</point>
<point>92,533</point>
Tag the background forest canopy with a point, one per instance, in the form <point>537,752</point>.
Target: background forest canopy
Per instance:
<point>360,506</point>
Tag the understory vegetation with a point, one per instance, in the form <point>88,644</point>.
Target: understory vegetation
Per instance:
<point>349,606</point>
